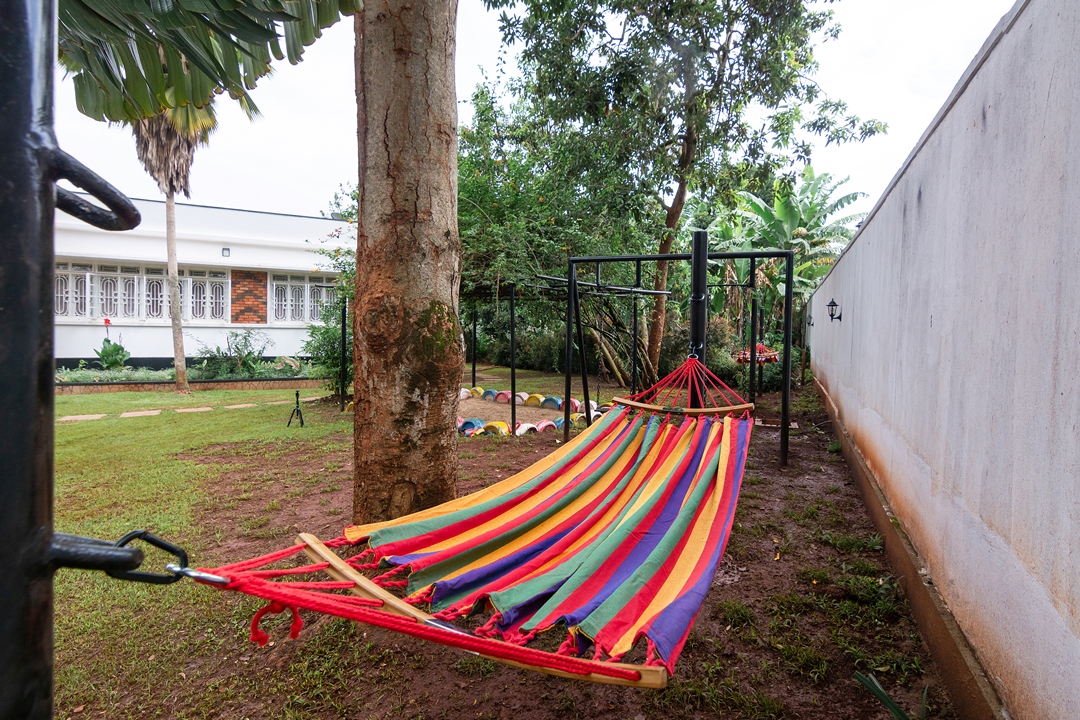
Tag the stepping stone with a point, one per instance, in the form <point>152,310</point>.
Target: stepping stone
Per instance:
<point>203,409</point>
<point>140,413</point>
<point>310,399</point>
<point>77,418</point>
<point>281,402</point>
<point>237,407</point>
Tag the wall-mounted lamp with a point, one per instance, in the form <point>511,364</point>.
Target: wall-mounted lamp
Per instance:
<point>810,320</point>
<point>225,252</point>
<point>834,313</point>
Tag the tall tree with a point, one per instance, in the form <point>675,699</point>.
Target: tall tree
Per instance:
<point>165,144</point>
<point>675,84</point>
<point>408,349</point>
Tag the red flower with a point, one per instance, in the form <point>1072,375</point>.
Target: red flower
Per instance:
<point>108,321</point>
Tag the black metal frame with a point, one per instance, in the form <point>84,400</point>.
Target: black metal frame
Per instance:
<point>698,321</point>
<point>30,552</point>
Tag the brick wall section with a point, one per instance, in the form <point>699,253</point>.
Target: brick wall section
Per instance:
<point>249,297</point>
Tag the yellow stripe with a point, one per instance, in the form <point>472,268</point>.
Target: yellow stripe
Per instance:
<point>601,486</point>
<point>691,551</point>
<point>659,478</point>
<point>524,506</point>
<point>601,525</point>
<point>356,532</point>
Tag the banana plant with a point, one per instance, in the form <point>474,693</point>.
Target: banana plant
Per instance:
<point>802,221</point>
<point>134,59</point>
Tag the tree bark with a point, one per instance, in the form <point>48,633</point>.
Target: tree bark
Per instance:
<point>175,310</point>
<point>408,346</point>
<point>658,317</point>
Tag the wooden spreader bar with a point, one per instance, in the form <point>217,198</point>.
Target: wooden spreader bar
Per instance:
<point>652,676</point>
<point>682,410</point>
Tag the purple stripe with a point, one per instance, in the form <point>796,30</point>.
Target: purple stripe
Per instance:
<point>649,540</point>
<point>672,622</point>
<point>485,574</point>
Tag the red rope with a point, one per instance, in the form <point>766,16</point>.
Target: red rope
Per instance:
<point>691,376</point>
<point>293,596</point>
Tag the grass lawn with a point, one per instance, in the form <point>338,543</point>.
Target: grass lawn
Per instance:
<point>119,474</point>
<point>118,402</point>
<point>532,381</point>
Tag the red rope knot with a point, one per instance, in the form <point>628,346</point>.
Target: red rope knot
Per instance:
<point>522,638</point>
<point>258,635</point>
<point>569,646</point>
<point>389,574</point>
<point>489,628</point>
<point>423,598</point>
<point>394,583</point>
<point>651,657</point>
<point>452,613</point>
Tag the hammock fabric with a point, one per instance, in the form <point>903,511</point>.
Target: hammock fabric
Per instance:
<point>764,355</point>
<point>614,538</point>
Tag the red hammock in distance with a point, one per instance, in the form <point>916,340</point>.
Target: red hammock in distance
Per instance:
<point>614,538</point>
<point>764,356</point>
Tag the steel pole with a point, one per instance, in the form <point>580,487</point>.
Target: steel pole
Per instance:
<point>513,364</point>
<point>343,376</point>
<point>474,347</point>
<point>785,403</point>
<point>761,338</point>
<point>634,342</point>
<point>581,356</point>
<point>699,290</point>
<point>571,291</point>
<point>27,53</point>
<point>753,342</point>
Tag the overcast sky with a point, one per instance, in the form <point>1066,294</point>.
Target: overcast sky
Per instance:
<point>895,60</point>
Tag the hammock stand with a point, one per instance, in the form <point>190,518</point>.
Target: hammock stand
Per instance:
<point>696,488</point>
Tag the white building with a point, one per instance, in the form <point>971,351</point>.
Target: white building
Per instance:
<point>238,269</point>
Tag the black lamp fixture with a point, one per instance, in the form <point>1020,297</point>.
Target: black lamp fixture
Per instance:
<point>833,314</point>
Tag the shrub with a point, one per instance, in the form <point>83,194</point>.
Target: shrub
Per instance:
<point>241,357</point>
<point>112,355</point>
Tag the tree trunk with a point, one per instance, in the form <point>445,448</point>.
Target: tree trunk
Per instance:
<point>658,318</point>
<point>408,346</point>
<point>175,310</point>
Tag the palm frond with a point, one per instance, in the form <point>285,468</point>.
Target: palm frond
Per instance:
<point>133,59</point>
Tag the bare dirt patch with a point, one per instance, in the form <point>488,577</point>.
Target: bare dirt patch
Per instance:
<point>803,599</point>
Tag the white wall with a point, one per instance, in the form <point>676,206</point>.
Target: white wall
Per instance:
<point>255,240</point>
<point>956,365</point>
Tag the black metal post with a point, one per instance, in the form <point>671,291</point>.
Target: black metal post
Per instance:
<point>26,244</point>
<point>581,357</point>
<point>571,292</point>
<point>343,376</point>
<point>753,341</point>
<point>633,344</point>
<point>785,403</point>
<point>699,290</point>
<point>30,164</point>
<point>473,347</point>
<point>513,364</point>
<point>761,337</point>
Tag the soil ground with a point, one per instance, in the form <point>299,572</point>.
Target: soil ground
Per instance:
<point>803,599</point>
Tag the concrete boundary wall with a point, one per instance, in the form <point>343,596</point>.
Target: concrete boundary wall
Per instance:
<point>956,365</point>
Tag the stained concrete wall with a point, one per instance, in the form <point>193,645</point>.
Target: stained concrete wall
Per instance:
<point>956,364</point>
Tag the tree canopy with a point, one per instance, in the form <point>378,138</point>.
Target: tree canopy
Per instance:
<point>703,97</point>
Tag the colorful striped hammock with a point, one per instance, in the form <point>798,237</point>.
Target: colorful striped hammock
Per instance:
<point>615,538</point>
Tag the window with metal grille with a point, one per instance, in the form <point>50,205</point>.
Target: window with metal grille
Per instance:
<point>299,298</point>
